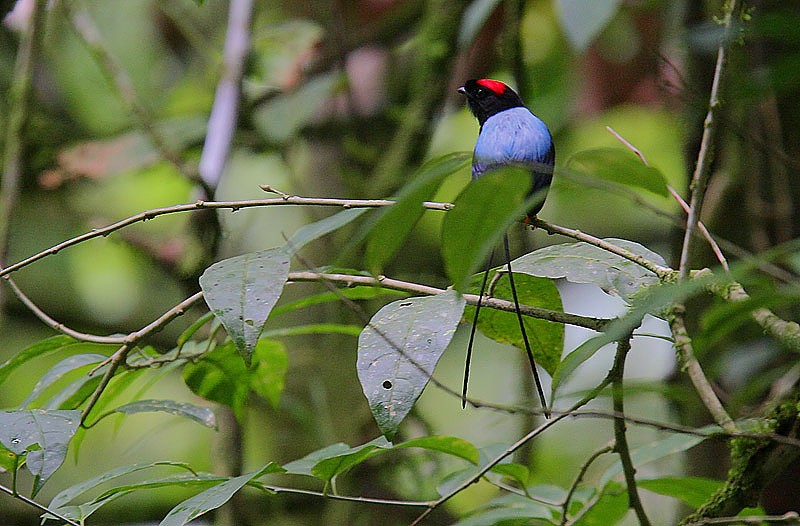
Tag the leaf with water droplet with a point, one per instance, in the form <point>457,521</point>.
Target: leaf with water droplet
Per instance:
<point>43,436</point>
<point>398,351</point>
<point>241,292</point>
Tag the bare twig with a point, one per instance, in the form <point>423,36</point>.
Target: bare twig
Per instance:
<point>509,450</point>
<point>664,273</point>
<point>116,359</point>
<point>581,473</point>
<point>702,168</point>
<point>202,205</point>
<point>790,517</point>
<point>616,375</point>
<point>38,506</point>
<point>683,344</point>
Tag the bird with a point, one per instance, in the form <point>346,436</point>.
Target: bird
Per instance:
<point>510,135</point>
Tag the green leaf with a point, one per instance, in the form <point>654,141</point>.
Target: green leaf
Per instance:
<point>241,292</point>
<point>314,328</point>
<point>649,300</point>
<point>584,263</point>
<point>201,415</point>
<point>268,374</point>
<point>59,370</point>
<point>395,223</point>
<point>40,348</point>
<point>42,435</point>
<point>672,444</point>
<point>546,337</point>
<point>328,468</point>
<point>314,231</point>
<point>483,212</point>
<point>220,376</point>
<point>610,508</point>
<point>186,335</point>
<point>455,446</point>
<point>72,492</point>
<point>485,455</point>
<point>398,351</point>
<point>510,510</point>
<point>514,471</point>
<point>694,491</point>
<point>583,20</point>
<point>620,166</point>
<point>212,498</point>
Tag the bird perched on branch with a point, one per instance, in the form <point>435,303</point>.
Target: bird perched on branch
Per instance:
<point>510,135</point>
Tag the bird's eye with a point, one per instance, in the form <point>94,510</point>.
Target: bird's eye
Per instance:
<point>481,92</point>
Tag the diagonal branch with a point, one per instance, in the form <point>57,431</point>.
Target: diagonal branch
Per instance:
<point>702,167</point>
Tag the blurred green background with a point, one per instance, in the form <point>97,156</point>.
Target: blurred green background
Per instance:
<point>346,99</point>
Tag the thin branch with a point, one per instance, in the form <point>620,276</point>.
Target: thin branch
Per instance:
<point>664,273</point>
<point>222,122</point>
<point>56,325</point>
<point>683,344</point>
<point>202,205</point>
<point>508,451</point>
<point>38,506</point>
<point>581,473</point>
<point>597,324</point>
<point>617,375</point>
<point>702,168</point>
<point>790,517</point>
<point>116,359</point>
<point>368,500</point>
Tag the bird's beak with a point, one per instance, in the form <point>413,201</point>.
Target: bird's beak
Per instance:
<point>461,90</point>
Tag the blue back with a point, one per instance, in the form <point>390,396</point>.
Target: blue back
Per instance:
<point>516,137</point>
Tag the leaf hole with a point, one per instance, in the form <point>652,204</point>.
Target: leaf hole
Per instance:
<point>386,384</point>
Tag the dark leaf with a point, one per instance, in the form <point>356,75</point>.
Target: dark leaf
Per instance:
<point>241,292</point>
<point>546,337</point>
<point>42,435</point>
<point>619,166</point>
<point>201,415</point>
<point>483,212</point>
<point>395,223</point>
<point>584,263</point>
<point>398,351</point>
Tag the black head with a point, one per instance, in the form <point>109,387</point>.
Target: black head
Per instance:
<point>487,97</point>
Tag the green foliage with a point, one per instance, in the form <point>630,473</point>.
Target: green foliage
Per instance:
<point>241,292</point>
<point>398,351</point>
<point>546,338</point>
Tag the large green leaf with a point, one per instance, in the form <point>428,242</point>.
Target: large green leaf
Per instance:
<point>546,337</point>
<point>69,494</point>
<point>43,436</point>
<point>619,166</point>
<point>59,370</point>
<point>212,498</point>
<point>609,508</point>
<point>41,348</point>
<point>694,491</point>
<point>483,212</point>
<point>395,223</point>
<point>241,292</point>
<point>316,230</point>
<point>201,415</point>
<point>584,263</point>
<point>582,20</point>
<point>658,449</point>
<point>398,351</point>
<point>221,376</point>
